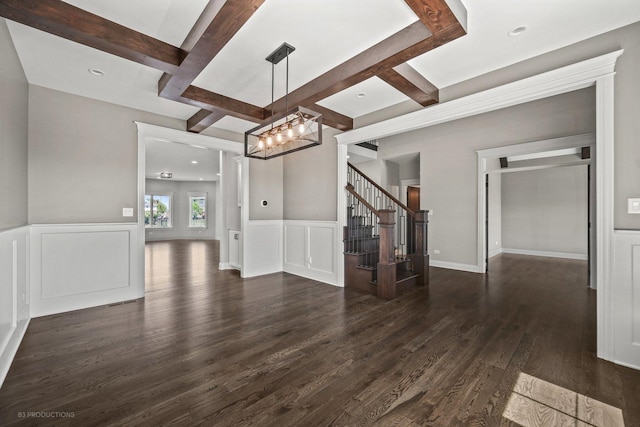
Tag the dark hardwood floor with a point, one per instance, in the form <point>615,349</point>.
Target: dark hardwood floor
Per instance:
<point>208,348</point>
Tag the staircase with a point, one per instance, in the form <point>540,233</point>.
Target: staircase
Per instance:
<point>385,243</point>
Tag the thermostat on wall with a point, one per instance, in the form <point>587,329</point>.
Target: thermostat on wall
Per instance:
<point>263,203</point>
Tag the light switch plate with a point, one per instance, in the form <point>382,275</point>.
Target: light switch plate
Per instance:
<point>127,211</point>
<point>634,206</point>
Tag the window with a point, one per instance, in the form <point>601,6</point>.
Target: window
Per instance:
<point>198,210</point>
<point>157,211</point>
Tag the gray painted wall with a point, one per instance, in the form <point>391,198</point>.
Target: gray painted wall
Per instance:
<point>393,175</point>
<point>448,166</point>
<point>230,192</point>
<point>14,96</point>
<point>545,210</point>
<point>627,102</point>
<point>265,183</point>
<point>495,213</point>
<point>310,180</point>
<point>83,158</point>
<point>180,209</point>
<point>372,169</point>
<point>410,170</point>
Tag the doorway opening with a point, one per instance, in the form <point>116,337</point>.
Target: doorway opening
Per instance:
<point>185,182</point>
<point>538,200</point>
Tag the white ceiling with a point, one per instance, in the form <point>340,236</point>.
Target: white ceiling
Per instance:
<point>177,158</point>
<point>324,32</point>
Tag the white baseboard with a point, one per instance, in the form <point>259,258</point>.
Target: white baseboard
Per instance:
<point>227,266</point>
<point>627,365</point>
<point>545,253</point>
<point>160,239</point>
<point>455,266</point>
<point>323,277</point>
<point>495,252</point>
<point>10,350</point>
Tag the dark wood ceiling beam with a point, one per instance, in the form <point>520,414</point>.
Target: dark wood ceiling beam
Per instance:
<point>435,14</point>
<point>217,102</point>
<point>225,19</point>
<point>64,20</point>
<point>333,118</point>
<point>407,80</point>
<point>210,115</point>
<point>203,119</point>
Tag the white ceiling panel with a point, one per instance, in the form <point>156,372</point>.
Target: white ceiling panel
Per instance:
<point>551,24</point>
<point>166,20</point>
<point>63,65</point>
<point>235,124</point>
<point>177,159</point>
<point>366,97</point>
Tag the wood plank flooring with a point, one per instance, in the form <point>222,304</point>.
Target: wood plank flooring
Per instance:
<point>208,348</point>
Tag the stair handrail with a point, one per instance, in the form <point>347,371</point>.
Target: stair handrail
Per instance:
<point>382,190</point>
<point>362,200</point>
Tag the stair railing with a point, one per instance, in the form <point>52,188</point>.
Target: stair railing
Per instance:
<point>362,233</point>
<point>379,198</point>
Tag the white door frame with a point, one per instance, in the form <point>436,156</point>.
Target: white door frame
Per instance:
<point>575,141</point>
<point>598,71</point>
<point>148,132</point>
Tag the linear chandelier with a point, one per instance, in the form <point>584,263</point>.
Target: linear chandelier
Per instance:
<point>287,132</point>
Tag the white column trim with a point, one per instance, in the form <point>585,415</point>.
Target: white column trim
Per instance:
<point>341,214</point>
<point>605,213</point>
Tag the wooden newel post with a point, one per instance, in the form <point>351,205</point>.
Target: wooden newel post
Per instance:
<point>421,258</point>
<point>387,262</point>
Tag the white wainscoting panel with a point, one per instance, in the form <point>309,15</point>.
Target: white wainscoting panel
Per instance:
<point>295,245</point>
<point>262,248</point>
<point>312,249</point>
<point>626,298</point>
<point>14,293</point>
<point>82,265</point>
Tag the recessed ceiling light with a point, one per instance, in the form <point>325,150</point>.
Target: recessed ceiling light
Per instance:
<point>194,161</point>
<point>517,31</point>
<point>218,174</point>
<point>347,156</point>
<point>200,179</point>
<point>96,72</point>
<point>361,95</point>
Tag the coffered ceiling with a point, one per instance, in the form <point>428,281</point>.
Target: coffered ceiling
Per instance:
<point>203,61</point>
